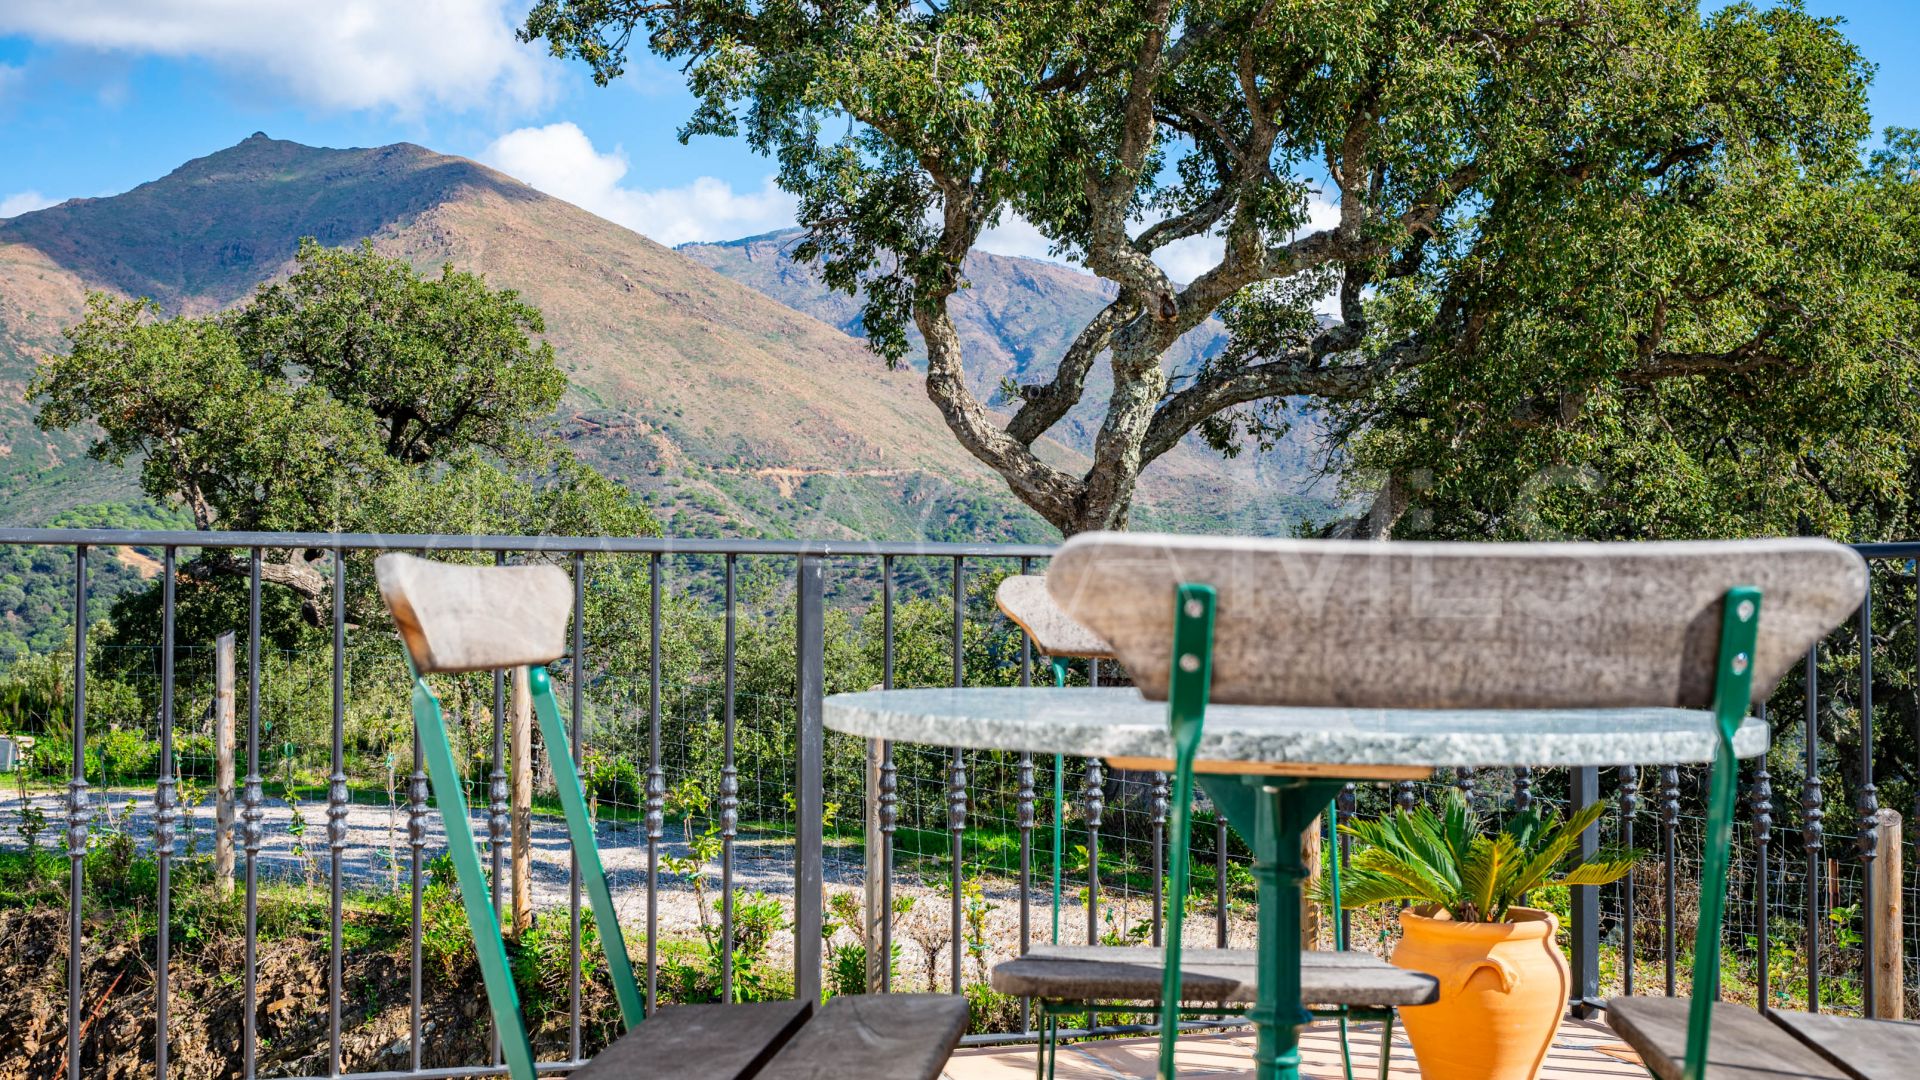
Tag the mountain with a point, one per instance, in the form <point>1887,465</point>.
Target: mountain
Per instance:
<point>728,409</point>
<point>1015,318</point>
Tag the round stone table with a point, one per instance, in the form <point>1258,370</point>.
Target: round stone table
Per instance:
<point>1272,770</point>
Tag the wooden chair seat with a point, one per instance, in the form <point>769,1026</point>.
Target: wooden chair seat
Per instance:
<point>1134,973</point>
<point>908,1036</point>
<point>1746,1045</point>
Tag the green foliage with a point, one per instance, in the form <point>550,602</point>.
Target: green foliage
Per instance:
<point>439,361</point>
<point>1844,918</point>
<point>33,822</point>
<point>610,778</point>
<point>324,389</point>
<point>357,395</point>
<point>446,942</point>
<point>989,1010</point>
<point>127,752</point>
<point>1448,860</point>
<point>847,969</point>
<point>974,909</point>
<point>1610,269</point>
<point>757,917</point>
<point>1115,930</point>
<point>36,585</point>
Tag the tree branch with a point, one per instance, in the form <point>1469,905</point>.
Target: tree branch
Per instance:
<point>1109,194</point>
<point>1296,374</point>
<point>311,586</point>
<point>1043,406</point>
<point>1048,491</point>
<point>1670,365</point>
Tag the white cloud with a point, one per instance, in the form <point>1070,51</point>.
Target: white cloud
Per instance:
<point>349,54</point>
<point>1016,235</point>
<point>560,160</point>
<point>1189,257</point>
<point>11,75</point>
<point>21,202</point>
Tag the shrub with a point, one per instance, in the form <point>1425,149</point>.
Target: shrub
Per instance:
<point>989,1010</point>
<point>611,779</point>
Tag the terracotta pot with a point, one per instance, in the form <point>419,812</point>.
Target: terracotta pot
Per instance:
<point>1503,989</point>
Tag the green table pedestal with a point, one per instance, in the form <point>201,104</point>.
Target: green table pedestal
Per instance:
<point>1272,814</point>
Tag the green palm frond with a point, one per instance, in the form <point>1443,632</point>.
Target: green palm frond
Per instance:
<point>1451,860</point>
<point>1525,826</point>
<point>1488,864</point>
<point>1409,838</point>
<point>1428,840</point>
<point>1459,828</point>
<point>1415,874</point>
<point>1375,870</point>
<point>1604,868</point>
<point>1381,890</point>
<point>1554,841</point>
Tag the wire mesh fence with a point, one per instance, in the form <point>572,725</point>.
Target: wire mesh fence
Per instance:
<point>688,690</point>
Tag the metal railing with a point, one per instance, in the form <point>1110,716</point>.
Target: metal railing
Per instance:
<point>955,828</point>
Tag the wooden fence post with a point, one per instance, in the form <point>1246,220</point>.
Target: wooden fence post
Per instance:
<point>520,813</point>
<point>1889,993</point>
<point>1311,914</point>
<point>223,763</point>
<point>875,848</point>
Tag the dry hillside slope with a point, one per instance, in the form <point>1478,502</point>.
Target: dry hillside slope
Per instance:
<point>731,410</point>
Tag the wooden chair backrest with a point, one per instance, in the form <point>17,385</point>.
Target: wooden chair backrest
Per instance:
<point>476,618</point>
<point>1024,599</point>
<point>1456,625</point>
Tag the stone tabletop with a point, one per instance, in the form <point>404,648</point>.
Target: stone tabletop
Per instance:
<point>1118,722</point>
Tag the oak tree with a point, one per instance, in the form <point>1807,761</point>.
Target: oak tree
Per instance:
<point>358,395</point>
<point>1545,207</point>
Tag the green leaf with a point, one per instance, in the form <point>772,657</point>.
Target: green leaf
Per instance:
<point>1451,860</point>
<point>1603,869</point>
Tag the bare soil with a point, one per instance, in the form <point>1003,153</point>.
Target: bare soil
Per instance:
<point>206,1005</point>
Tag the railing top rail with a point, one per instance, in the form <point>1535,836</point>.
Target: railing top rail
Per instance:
<point>565,545</point>
<point>598,545</point>
<point>1898,549</point>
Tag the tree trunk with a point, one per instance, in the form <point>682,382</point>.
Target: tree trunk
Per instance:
<point>1051,493</point>
<point>1138,382</point>
<point>223,764</point>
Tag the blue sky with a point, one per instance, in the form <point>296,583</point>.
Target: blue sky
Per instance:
<point>99,95</point>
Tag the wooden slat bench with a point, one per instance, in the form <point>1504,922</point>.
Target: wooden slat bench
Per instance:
<point>1134,973</point>
<point>904,1036</point>
<point>1747,1045</point>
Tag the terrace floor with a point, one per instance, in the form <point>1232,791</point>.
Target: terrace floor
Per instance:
<point>1584,1050</point>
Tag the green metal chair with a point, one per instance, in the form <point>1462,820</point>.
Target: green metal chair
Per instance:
<point>1421,626</point>
<point>456,618</point>
<point>1024,600</point>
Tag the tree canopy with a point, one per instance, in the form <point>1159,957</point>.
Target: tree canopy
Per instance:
<point>356,396</point>
<point>1555,221</point>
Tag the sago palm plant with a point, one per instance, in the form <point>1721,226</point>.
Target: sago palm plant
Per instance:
<point>1448,859</point>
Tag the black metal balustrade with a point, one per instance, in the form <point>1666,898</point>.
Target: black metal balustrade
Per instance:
<point>1118,822</point>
